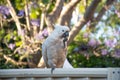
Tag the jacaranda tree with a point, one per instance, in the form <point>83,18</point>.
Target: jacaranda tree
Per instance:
<point>94,39</point>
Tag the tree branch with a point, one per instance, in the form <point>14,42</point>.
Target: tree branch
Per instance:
<point>27,15</point>
<point>1,20</point>
<point>101,13</point>
<point>8,59</point>
<point>66,13</point>
<point>42,21</point>
<point>91,9</point>
<point>87,16</point>
<point>52,17</point>
<point>104,9</point>
<point>13,14</point>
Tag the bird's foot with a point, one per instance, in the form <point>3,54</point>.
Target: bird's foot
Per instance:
<point>52,70</point>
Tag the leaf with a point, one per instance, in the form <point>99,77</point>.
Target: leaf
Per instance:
<point>18,43</point>
<point>33,15</point>
<point>45,1</point>
<point>7,37</point>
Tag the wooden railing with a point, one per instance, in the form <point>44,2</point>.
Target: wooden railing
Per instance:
<point>61,74</point>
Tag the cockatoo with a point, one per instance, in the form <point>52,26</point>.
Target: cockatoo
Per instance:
<point>54,48</point>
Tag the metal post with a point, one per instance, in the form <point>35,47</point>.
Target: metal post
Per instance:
<point>113,74</point>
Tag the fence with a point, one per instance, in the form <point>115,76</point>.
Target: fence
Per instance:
<point>61,74</point>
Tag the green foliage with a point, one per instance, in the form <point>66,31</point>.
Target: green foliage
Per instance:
<point>87,56</point>
<point>34,14</point>
<point>19,4</point>
<point>52,5</point>
<point>83,5</point>
<point>84,53</point>
<point>45,1</point>
<point>78,60</point>
<point>6,37</point>
<point>2,2</point>
<point>101,4</point>
<point>81,52</point>
<point>113,20</point>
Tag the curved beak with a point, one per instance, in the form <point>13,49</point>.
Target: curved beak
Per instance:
<point>66,34</point>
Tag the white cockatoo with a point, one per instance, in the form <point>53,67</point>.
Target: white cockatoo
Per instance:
<point>54,48</point>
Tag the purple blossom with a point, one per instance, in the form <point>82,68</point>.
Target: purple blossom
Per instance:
<point>116,33</point>
<point>45,32</point>
<point>111,42</point>
<point>35,22</point>
<point>88,23</point>
<point>21,13</point>
<point>39,37</point>
<point>11,46</point>
<point>35,5</point>
<point>118,13</point>
<point>86,35</point>
<point>21,33</point>
<point>4,16</point>
<point>93,43</point>
<point>117,53</point>
<point>104,51</point>
<point>42,35</point>
<point>4,10</point>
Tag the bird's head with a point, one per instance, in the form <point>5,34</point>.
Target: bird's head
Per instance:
<point>62,31</point>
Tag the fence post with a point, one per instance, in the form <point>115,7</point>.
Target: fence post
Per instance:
<point>113,74</point>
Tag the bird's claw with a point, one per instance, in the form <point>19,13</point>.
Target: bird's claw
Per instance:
<point>52,70</point>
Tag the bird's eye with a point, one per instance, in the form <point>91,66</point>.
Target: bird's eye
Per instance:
<point>62,30</point>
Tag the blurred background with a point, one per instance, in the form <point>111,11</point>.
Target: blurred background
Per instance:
<point>94,39</point>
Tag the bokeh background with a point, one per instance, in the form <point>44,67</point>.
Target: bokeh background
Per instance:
<point>94,39</point>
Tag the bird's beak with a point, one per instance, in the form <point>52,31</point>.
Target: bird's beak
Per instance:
<point>66,34</point>
<point>65,37</point>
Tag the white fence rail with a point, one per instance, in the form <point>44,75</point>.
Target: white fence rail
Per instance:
<point>61,74</point>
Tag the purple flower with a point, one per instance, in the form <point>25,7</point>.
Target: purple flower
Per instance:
<point>92,43</point>
<point>35,5</point>
<point>116,33</point>
<point>117,53</point>
<point>21,33</point>
<point>118,13</point>
<point>111,42</point>
<point>42,35</point>
<point>4,16</point>
<point>21,13</point>
<point>86,35</point>
<point>11,46</point>
<point>39,37</point>
<point>45,32</point>
<point>4,10</point>
<point>35,22</point>
<point>104,51</point>
<point>88,23</point>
